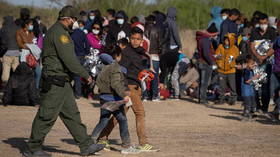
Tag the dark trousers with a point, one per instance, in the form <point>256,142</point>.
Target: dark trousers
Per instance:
<point>249,104</point>
<point>77,79</point>
<point>58,102</point>
<point>205,78</point>
<point>227,81</point>
<point>105,116</point>
<point>155,80</point>
<point>263,103</point>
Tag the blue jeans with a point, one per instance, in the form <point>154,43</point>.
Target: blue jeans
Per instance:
<point>105,116</point>
<point>155,80</point>
<point>38,72</point>
<point>77,80</point>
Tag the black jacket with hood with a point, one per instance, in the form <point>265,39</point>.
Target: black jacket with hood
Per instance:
<point>21,89</point>
<point>115,28</point>
<point>174,37</point>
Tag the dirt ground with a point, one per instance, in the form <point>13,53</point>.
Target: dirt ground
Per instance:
<point>178,128</point>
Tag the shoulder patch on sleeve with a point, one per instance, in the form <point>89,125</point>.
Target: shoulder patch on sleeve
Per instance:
<point>64,39</point>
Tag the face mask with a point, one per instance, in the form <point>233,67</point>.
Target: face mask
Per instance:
<point>82,28</point>
<point>39,21</point>
<point>120,21</point>
<point>91,17</point>
<point>226,46</point>
<point>224,17</point>
<point>75,25</point>
<point>244,38</point>
<point>241,25</point>
<point>257,25</point>
<point>264,27</point>
<point>95,31</point>
<point>274,26</point>
<point>30,27</point>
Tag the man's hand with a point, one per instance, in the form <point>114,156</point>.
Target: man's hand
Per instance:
<point>261,58</point>
<point>89,80</point>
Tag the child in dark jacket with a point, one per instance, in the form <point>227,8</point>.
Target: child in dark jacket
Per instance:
<point>21,88</point>
<point>111,84</point>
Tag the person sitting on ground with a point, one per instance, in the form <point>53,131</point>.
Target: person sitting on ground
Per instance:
<point>179,70</point>
<point>21,88</point>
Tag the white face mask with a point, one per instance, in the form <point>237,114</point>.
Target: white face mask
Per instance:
<point>95,31</point>
<point>264,27</point>
<point>257,25</point>
<point>120,21</point>
<point>224,17</point>
<point>75,25</point>
<point>91,17</point>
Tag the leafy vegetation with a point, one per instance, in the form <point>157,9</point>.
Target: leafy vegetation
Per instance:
<point>193,14</point>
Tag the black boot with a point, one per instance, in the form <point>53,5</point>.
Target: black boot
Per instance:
<point>92,149</point>
<point>38,153</point>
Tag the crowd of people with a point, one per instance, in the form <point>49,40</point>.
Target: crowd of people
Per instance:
<point>236,59</point>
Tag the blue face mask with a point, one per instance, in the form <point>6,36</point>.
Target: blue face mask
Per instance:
<point>82,28</point>
<point>244,38</point>
<point>120,21</point>
<point>241,25</point>
<point>226,46</point>
<point>91,17</point>
<point>30,27</point>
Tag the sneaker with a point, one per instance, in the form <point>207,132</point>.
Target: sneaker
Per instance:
<point>147,148</point>
<point>106,143</point>
<point>38,153</point>
<point>130,150</point>
<point>156,99</point>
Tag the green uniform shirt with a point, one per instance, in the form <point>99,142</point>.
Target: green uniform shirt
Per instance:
<point>58,56</point>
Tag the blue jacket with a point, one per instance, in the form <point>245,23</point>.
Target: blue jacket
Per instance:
<point>81,43</point>
<point>216,17</point>
<point>247,89</point>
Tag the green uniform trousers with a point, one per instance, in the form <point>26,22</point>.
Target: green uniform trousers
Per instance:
<point>58,101</point>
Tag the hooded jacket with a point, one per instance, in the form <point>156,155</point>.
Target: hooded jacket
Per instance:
<point>224,64</point>
<point>115,28</point>
<point>216,17</point>
<point>173,29</point>
<point>21,89</point>
<point>153,33</point>
<point>205,48</point>
<point>8,33</point>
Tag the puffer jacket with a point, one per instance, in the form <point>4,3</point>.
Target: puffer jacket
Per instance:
<point>224,64</point>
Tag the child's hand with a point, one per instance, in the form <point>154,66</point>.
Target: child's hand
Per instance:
<point>256,77</point>
<point>126,99</point>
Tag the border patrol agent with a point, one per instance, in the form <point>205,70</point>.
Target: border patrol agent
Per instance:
<point>57,98</point>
